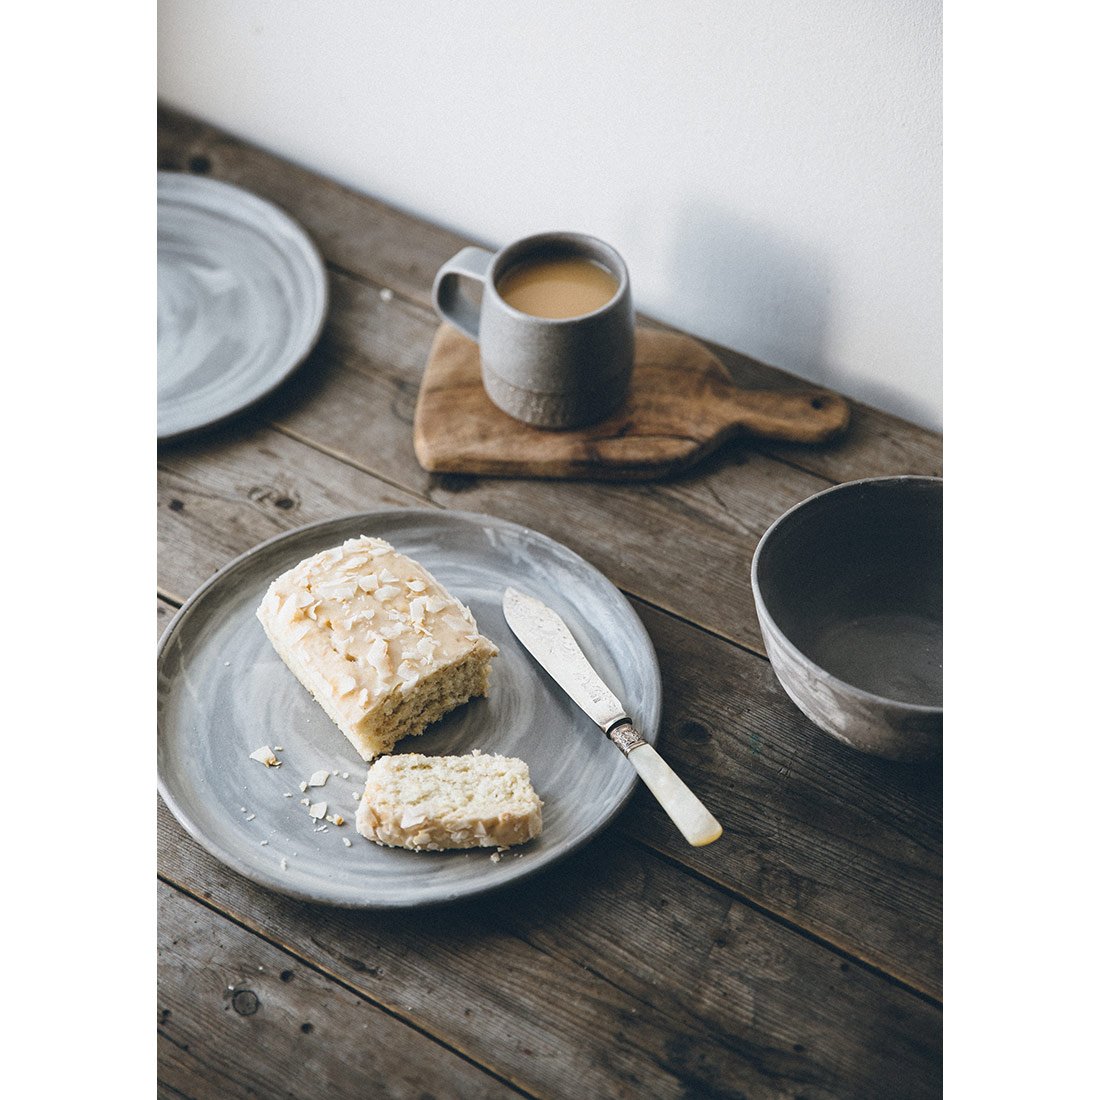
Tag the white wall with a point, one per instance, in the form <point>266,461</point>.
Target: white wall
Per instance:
<point>769,170</point>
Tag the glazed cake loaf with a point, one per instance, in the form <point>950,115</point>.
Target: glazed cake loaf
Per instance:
<point>437,802</point>
<point>376,640</point>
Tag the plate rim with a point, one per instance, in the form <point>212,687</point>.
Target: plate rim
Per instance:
<point>259,876</point>
<point>314,261</point>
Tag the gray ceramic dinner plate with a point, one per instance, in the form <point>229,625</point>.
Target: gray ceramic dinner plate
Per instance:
<point>223,692</point>
<point>241,297</point>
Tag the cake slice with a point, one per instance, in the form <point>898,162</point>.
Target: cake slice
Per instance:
<point>436,802</point>
<point>377,641</point>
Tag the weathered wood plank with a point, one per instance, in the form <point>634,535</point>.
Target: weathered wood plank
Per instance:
<point>395,250</point>
<point>237,1017</point>
<point>843,845</point>
<point>165,611</point>
<point>613,975</point>
<point>224,496</point>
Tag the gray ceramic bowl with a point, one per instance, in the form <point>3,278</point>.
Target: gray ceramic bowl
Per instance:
<point>849,593</point>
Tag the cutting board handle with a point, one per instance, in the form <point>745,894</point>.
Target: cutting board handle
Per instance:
<point>796,416</point>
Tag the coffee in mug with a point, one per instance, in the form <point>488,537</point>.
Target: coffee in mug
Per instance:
<point>563,286</point>
<point>555,326</point>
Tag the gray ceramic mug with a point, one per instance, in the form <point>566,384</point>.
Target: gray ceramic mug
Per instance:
<point>550,372</point>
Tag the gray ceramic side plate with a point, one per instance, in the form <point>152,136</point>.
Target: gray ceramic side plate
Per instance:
<point>223,692</point>
<point>241,297</point>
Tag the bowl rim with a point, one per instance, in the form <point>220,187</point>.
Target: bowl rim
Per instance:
<point>764,614</point>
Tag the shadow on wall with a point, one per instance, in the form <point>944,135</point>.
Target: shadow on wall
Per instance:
<point>743,285</point>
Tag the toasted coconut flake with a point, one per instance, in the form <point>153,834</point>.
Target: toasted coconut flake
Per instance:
<point>318,778</point>
<point>265,757</point>
<point>387,592</point>
<point>379,656</point>
<point>343,591</point>
<point>318,810</point>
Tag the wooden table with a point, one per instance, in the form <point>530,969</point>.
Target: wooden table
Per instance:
<point>800,956</point>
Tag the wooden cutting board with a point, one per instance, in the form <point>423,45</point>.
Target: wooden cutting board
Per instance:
<point>682,405</point>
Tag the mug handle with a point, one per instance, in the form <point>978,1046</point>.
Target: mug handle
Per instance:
<point>449,303</point>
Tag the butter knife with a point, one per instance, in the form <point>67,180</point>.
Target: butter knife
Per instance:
<point>550,642</point>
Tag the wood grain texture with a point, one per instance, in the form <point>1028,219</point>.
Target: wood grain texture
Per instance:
<point>613,975</point>
<point>681,407</point>
<point>217,504</point>
<point>843,845</point>
<point>396,251</point>
<point>237,1018</point>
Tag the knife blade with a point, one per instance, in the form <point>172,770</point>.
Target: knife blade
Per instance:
<point>546,637</point>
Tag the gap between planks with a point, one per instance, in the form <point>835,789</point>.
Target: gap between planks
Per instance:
<point>778,918</point>
<point>163,1086</point>
<point>328,975</point>
<point>673,860</point>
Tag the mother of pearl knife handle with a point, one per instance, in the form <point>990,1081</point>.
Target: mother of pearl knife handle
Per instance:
<point>688,814</point>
